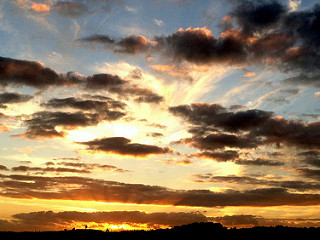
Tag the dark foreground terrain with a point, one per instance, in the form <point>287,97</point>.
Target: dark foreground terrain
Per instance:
<point>206,230</point>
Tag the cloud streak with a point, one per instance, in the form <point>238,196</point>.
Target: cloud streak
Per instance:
<point>123,146</point>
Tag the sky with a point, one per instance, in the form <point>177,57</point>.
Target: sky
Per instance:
<point>155,113</point>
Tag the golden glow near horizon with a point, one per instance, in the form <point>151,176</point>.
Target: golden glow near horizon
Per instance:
<point>110,119</point>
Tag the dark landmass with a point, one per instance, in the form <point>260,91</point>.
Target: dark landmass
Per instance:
<point>206,230</point>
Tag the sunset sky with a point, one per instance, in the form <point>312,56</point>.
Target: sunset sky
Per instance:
<point>154,113</point>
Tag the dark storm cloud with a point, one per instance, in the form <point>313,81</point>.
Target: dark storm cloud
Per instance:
<point>33,74</point>
<point>123,146</point>
<point>9,98</point>
<point>247,129</point>
<point>80,188</point>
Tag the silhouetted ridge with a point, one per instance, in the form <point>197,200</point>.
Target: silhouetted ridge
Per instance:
<point>200,227</point>
<point>195,230</point>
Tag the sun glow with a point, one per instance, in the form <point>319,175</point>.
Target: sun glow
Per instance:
<point>81,135</point>
<point>124,130</point>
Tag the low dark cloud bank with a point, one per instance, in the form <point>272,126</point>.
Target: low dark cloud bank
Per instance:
<point>49,220</point>
<point>81,188</point>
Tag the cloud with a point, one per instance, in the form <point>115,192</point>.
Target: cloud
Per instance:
<point>70,167</point>
<point>33,74</point>
<point>9,98</point>
<point>98,38</point>
<point>303,79</point>
<point>3,168</point>
<point>246,221</point>
<point>293,5</point>
<point>219,141</point>
<point>259,162</point>
<point>249,74</point>
<point>80,188</point>
<point>257,181</point>
<point>85,104</point>
<point>257,16</point>
<point>41,8</point>
<point>310,173</point>
<point>300,51</point>
<point>43,124</point>
<point>311,157</point>
<point>70,9</point>
<point>158,22</point>
<point>266,33</point>
<point>198,45</point>
<point>216,127</point>
<point>48,169</point>
<point>221,156</point>
<point>104,81</point>
<point>132,44</point>
<point>55,220</point>
<point>115,84</point>
<point>218,116</point>
<point>123,146</point>
<point>49,220</point>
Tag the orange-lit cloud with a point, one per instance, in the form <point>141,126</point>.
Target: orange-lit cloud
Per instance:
<point>162,68</point>
<point>39,7</point>
<point>249,74</point>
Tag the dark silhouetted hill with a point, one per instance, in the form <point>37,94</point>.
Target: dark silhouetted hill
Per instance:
<point>207,230</point>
